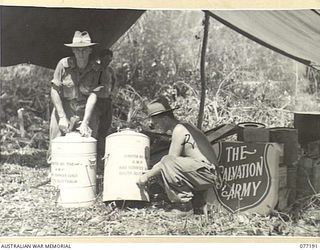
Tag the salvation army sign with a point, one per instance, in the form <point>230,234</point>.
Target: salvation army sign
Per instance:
<point>246,174</point>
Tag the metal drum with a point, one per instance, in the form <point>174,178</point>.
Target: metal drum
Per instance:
<point>73,170</point>
<point>252,132</point>
<point>126,158</point>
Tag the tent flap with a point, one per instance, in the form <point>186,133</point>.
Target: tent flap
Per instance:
<point>293,33</point>
<point>36,35</point>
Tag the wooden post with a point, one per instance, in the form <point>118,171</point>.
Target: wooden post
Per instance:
<point>296,83</point>
<point>21,122</point>
<point>202,70</point>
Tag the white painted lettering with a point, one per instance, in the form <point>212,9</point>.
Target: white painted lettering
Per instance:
<point>255,187</point>
<point>242,155</point>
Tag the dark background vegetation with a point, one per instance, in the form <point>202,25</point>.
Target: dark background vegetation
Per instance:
<point>160,54</point>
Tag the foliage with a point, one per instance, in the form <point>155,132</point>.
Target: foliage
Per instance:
<point>160,55</point>
<point>246,82</point>
<point>27,87</point>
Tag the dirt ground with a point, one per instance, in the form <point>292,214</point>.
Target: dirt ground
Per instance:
<point>28,208</point>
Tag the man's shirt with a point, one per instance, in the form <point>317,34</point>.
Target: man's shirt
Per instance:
<point>107,79</point>
<point>74,86</point>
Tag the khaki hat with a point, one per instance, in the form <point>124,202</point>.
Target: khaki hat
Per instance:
<point>80,39</point>
<point>159,106</point>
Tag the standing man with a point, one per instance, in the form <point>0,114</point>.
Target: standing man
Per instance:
<point>189,167</point>
<point>74,91</point>
<point>108,80</point>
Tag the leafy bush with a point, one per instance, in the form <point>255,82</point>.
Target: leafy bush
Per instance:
<point>160,55</point>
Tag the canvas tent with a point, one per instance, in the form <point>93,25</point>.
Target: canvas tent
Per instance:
<point>36,35</point>
<point>293,33</point>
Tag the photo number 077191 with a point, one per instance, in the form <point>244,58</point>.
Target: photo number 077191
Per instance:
<point>309,246</point>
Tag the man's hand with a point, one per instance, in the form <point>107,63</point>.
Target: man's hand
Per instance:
<point>64,124</point>
<point>84,129</point>
<point>143,181</point>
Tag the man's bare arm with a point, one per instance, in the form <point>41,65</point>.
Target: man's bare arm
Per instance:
<point>56,100</point>
<point>92,99</point>
<point>177,140</point>
<point>84,127</point>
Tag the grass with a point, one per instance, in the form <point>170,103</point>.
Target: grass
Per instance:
<point>32,210</point>
<point>28,204</point>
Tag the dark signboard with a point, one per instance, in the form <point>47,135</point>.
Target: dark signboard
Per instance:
<point>246,174</point>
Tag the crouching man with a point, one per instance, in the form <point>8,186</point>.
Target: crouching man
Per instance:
<point>189,167</point>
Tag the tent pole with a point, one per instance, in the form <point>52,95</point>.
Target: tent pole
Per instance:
<point>202,70</point>
<point>296,82</point>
